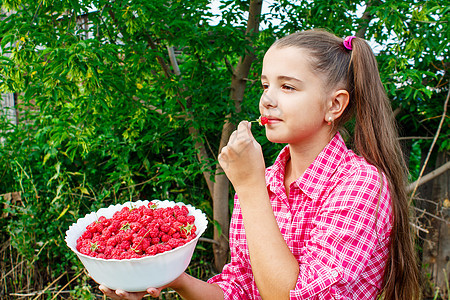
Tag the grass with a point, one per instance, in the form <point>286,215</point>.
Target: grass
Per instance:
<point>21,280</point>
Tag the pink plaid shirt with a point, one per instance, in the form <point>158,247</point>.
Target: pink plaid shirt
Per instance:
<point>337,222</point>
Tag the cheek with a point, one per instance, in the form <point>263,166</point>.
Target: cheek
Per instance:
<point>261,107</point>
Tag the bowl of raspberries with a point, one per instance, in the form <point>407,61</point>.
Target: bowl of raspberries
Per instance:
<point>137,245</point>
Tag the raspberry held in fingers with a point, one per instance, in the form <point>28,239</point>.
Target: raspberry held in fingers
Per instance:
<point>261,120</point>
<point>264,120</point>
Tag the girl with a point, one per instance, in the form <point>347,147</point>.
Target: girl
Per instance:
<point>323,222</point>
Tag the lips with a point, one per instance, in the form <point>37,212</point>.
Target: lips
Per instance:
<point>273,120</point>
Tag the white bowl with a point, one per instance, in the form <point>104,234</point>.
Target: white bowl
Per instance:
<point>136,274</point>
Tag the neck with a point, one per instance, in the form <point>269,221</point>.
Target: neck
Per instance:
<point>302,155</point>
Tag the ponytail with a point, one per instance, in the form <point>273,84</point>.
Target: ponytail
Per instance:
<point>375,138</point>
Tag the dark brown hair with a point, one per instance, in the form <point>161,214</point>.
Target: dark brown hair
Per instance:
<point>375,138</point>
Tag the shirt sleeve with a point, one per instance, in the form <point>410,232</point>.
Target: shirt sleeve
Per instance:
<point>235,280</point>
<point>346,233</point>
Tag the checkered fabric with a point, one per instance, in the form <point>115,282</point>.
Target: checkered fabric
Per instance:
<point>336,221</point>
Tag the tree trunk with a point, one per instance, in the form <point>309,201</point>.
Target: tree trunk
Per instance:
<point>221,186</point>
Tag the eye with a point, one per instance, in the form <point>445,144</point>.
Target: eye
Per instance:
<point>264,86</point>
<point>287,87</point>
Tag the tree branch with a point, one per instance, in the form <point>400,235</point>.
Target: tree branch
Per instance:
<point>161,61</point>
<point>439,171</point>
<point>417,182</point>
<point>173,60</point>
<point>365,20</point>
<point>424,212</point>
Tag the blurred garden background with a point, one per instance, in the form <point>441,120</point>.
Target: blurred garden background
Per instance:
<point>105,102</point>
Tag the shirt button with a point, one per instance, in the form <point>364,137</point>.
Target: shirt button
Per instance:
<point>334,273</point>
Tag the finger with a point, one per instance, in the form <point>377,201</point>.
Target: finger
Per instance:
<point>249,129</point>
<point>223,158</point>
<point>250,133</point>
<point>223,153</point>
<point>243,128</point>
<point>239,133</point>
<point>154,292</point>
<point>232,137</point>
<point>122,294</point>
<point>108,292</point>
<point>130,296</point>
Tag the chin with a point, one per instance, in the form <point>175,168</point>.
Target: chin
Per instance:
<point>276,140</point>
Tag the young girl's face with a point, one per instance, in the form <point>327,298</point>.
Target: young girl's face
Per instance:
<point>294,97</point>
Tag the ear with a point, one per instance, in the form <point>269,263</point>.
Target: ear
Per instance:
<point>337,103</point>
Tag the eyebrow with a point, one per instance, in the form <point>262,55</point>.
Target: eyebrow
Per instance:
<point>283,77</point>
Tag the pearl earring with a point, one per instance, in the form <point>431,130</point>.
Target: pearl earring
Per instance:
<point>330,120</point>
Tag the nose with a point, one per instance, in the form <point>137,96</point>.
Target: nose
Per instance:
<point>267,100</point>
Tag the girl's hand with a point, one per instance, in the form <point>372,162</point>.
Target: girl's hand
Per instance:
<point>242,158</point>
<point>119,294</point>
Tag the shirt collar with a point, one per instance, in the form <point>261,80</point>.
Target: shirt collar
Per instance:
<point>314,180</point>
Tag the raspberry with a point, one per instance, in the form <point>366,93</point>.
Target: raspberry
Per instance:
<point>161,248</point>
<point>185,210</point>
<point>124,245</point>
<point>171,231</point>
<point>157,214</point>
<point>137,232</point>
<point>137,248</point>
<point>134,216</point>
<point>124,213</point>
<point>85,250</point>
<point>112,241</point>
<point>107,232</point>
<point>177,225</point>
<point>146,219</point>
<point>91,228</point>
<point>124,225</point>
<point>173,243</point>
<point>115,253</point>
<point>152,250</point>
<point>145,243</point>
<point>165,238</point>
<point>108,251</point>
<point>104,221</point>
<point>125,255</point>
<point>87,234</point>
<point>98,237</point>
<point>126,235</point>
<point>143,232</point>
<point>154,233</point>
<point>135,226</point>
<point>165,227</point>
<point>115,225</point>
<point>182,219</point>
<point>261,120</point>
<point>194,229</point>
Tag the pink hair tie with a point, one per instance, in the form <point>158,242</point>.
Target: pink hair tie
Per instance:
<point>348,42</point>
